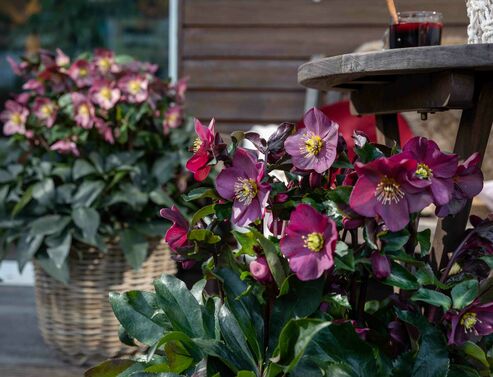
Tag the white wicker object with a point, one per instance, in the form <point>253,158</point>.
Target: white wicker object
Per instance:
<point>480,13</point>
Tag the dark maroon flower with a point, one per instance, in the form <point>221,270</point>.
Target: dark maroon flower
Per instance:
<point>176,236</point>
<point>203,150</point>
<point>381,190</point>
<point>468,182</point>
<point>380,265</point>
<point>242,183</point>
<point>309,243</point>
<point>80,72</point>
<point>434,169</point>
<point>314,147</point>
<point>260,270</point>
<point>473,321</point>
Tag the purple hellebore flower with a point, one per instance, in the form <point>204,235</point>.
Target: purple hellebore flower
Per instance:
<point>105,94</point>
<point>80,72</point>
<point>61,59</point>
<point>105,130</point>
<point>380,265</point>
<point>65,147</point>
<point>14,117</point>
<point>314,147</point>
<point>84,113</point>
<point>309,243</point>
<point>134,87</point>
<point>468,182</point>
<point>177,235</point>
<point>203,146</point>
<point>46,111</point>
<point>435,169</point>
<point>104,61</point>
<point>19,69</point>
<point>260,270</point>
<point>242,183</point>
<point>36,85</point>
<point>382,189</point>
<point>172,118</point>
<point>471,322</point>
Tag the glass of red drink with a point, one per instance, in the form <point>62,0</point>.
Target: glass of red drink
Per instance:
<point>416,29</point>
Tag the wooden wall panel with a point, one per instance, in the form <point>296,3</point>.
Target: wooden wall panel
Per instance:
<point>310,13</point>
<point>242,55</point>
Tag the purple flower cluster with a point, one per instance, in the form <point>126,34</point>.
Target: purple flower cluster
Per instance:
<point>101,94</point>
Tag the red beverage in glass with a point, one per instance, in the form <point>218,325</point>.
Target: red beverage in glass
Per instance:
<point>416,29</point>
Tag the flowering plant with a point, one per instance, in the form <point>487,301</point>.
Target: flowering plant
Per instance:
<point>94,144</point>
<point>315,265</point>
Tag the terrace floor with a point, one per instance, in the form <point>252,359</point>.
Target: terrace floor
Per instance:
<point>22,351</point>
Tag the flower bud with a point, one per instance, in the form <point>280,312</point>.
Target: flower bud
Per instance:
<point>380,265</point>
<point>260,270</point>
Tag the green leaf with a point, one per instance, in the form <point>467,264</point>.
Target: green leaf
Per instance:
<point>424,241</point>
<point>272,257</point>
<point>161,198</point>
<point>27,246</point>
<point>401,278</point>
<point>200,193</point>
<point>246,241</point>
<point>235,340</point>
<point>476,352</point>
<point>203,235</point>
<point>59,248</point>
<point>44,191</point>
<point>24,201</point>
<point>464,293</point>
<point>294,339</point>
<point>340,194</point>
<point>432,357</point>
<point>58,273</point>
<point>49,224</point>
<point>82,168</point>
<point>302,300</point>
<point>346,262</point>
<point>433,298</point>
<point>165,167</point>
<point>88,220</point>
<point>395,240</point>
<point>109,368</point>
<point>368,153</point>
<point>179,305</point>
<point>245,373</point>
<point>135,315</point>
<point>426,276</point>
<point>87,193</point>
<point>201,213</point>
<point>134,246</point>
<point>342,248</point>
<point>462,371</point>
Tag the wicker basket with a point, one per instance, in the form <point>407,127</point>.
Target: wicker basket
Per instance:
<point>77,320</point>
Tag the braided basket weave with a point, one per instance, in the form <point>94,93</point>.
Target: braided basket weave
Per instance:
<point>77,320</point>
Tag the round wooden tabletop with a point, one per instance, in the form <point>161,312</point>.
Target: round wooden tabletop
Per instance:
<point>351,71</point>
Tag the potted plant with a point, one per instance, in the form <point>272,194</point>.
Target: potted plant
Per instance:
<point>314,265</point>
<point>94,144</point>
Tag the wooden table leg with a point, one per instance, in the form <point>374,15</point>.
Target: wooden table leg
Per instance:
<point>387,129</point>
<point>472,136</point>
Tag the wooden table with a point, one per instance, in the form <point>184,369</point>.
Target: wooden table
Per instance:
<point>423,79</point>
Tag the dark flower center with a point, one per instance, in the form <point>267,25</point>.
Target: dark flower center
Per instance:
<point>388,191</point>
<point>423,171</point>
<point>245,190</point>
<point>314,242</point>
<point>313,145</point>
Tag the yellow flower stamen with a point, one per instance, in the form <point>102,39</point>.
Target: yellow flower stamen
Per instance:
<point>134,86</point>
<point>312,145</point>
<point>104,64</point>
<point>388,191</point>
<point>105,92</point>
<point>47,110</point>
<point>16,118</point>
<point>456,268</point>
<point>468,321</point>
<point>313,242</point>
<point>83,72</point>
<point>197,143</point>
<point>83,110</point>
<point>423,171</point>
<point>245,190</point>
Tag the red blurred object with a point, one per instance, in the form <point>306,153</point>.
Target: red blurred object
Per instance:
<point>348,123</point>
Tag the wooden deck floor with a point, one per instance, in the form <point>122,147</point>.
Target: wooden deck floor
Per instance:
<point>22,351</point>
